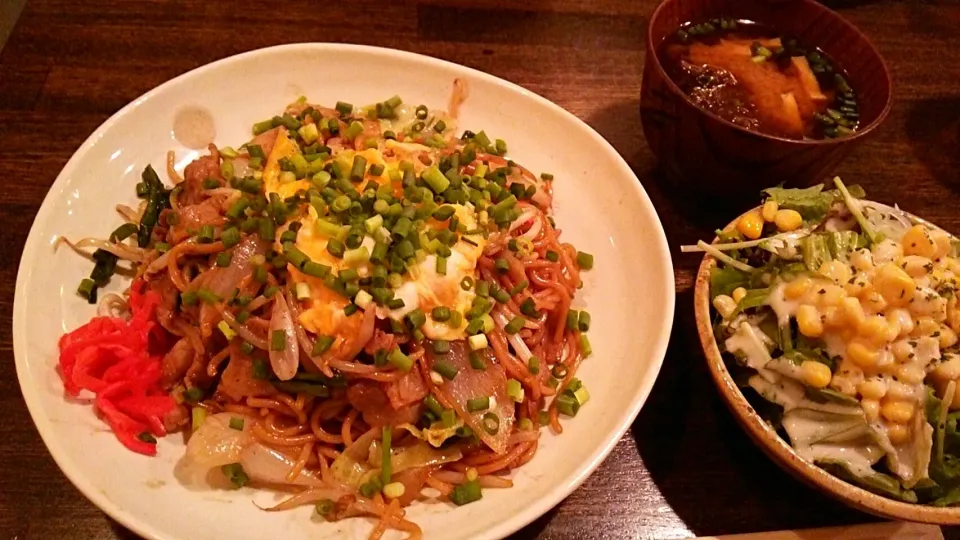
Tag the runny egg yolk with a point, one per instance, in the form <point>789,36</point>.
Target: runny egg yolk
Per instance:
<point>423,287</point>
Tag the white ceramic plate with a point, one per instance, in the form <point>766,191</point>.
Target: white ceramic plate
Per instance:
<point>599,203</point>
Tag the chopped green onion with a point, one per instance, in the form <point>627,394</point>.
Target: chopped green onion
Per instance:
<point>567,404</point>
<point>322,345</point>
<point>205,235</point>
<point>278,340</point>
<point>533,365</point>
<point>325,506</point>
<point>553,256</point>
<point>445,369</point>
<point>476,361</point>
<point>559,371</point>
<point>478,404</point>
<point>188,298</point>
<point>519,287</point>
<point>501,265</point>
<point>416,318</point>
<point>207,296</point>
<point>261,370</point>
<point>193,394</point>
<point>466,493</point>
<point>434,405</point>
<point>223,259</point>
<point>477,341</point>
<point>226,330</point>
<point>585,347</point>
<point>440,313</point>
<point>197,416</point>
<point>435,179</point>
<point>385,469</point>
<point>400,360</point>
<point>514,325</point>
<point>466,283</point>
<point>235,473</point>
<point>584,322</point>
<point>88,290</point>
<point>236,423</point>
<point>573,319</point>
<point>584,260</point>
<point>502,297</point>
<point>515,390</point>
<point>344,108</point>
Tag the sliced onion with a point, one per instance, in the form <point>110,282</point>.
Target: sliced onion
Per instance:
<point>525,216</point>
<point>523,352</point>
<point>112,305</point>
<point>223,191</point>
<point>244,332</point>
<point>241,167</point>
<point>363,336</point>
<point>223,281</point>
<point>128,213</point>
<point>216,443</point>
<point>285,361</point>
<point>269,466</point>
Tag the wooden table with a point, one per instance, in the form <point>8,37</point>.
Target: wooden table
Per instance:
<point>685,468</point>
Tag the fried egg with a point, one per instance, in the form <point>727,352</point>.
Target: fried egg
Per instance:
<point>323,312</point>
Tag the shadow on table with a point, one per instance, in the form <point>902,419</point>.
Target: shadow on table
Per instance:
<point>938,149</point>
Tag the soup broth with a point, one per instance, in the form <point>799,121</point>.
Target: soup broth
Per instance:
<point>748,74</point>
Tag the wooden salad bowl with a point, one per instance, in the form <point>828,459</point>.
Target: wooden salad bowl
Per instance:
<point>700,151</point>
<point>778,449</point>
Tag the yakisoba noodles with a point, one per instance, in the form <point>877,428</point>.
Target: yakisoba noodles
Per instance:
<point>354,306</point>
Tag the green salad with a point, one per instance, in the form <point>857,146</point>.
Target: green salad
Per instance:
<point>838,318</point>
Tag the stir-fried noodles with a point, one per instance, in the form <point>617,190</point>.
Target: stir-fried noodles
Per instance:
<point>357,306</point>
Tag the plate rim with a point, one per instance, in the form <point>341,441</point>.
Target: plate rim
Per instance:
<point>537,508</point>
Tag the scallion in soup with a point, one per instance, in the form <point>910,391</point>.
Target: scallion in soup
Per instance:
<point>752,76</point>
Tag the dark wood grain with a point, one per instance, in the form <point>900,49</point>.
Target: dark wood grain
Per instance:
<point>685,468</point>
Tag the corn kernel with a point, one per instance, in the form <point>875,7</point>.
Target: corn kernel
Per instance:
<point>896,287</point>
<point>898,433</point>
<point>902,350</point>
<point>942,240</point>
<point>946,371</point>
<point>885,252</point>
<point>862,260</point>
<point>874,330</point>
<point>911,373</point>
<point>917,241</point>
<point>899,412</point>
<point>953,316</point>
<point>738,294</point>
<point>856,284</point>
<point>788,220</point>
<point>815,374</point>
<point>797,288</point>
<point>833,317</point>
<point>872,389</point>
<point>925,326</point>
<point>724,305</point>
<point>872,301</point>
<point>852,311</point>
<point>808,321</point>
<point>916,266</point>
<point>861,355</point>
<point>953,265</point>
<point>948,338</point>
<point>750,225</point>
<point>902,319</point>
<point>832,295</point>
<point>871,408</point>
<point>898,391</point>
<point>769,210</point>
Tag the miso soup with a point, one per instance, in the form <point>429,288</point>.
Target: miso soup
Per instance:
<point>748,74</point>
